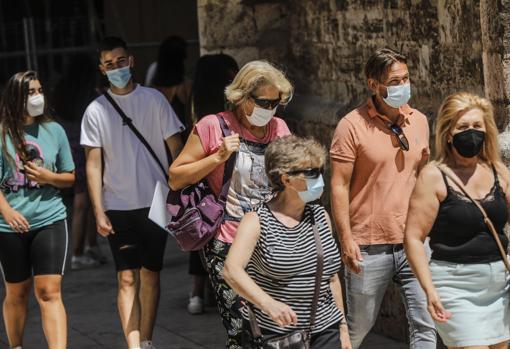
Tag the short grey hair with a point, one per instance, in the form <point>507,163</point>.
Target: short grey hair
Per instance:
<point>288,154</point>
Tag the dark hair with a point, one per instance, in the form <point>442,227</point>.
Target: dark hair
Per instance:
<point>379,63</point>
<point>13,106</point>
<point>110,43</point>
<point>170,69</point>
<point>213,74</point>
<point>76,88</point>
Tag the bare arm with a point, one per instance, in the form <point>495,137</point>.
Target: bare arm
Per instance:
<point>94,169</point>
<point>341,172</point>
<point>44,176</point>
<point>16,220</point>
<point>236,276</point>
<point>192,164</point>
<point>174,144</point>
<point>423,209</point>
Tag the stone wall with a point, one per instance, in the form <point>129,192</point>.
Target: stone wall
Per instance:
<point>323,45</point>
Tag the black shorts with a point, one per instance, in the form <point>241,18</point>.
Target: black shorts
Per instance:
<point>138,242</point>
<point>41,251</point>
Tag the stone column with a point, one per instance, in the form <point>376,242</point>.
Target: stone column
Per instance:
<point>495,26</point>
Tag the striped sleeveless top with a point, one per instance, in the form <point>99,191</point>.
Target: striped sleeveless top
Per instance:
<point>284,263</point>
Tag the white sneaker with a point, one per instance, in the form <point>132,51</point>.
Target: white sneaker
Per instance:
<point>147,345</point>
<point>83,262</point>
<point>195,305</point>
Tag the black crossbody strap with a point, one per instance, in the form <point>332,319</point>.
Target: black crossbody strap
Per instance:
<point>320,268</point>
<point>127,121</point>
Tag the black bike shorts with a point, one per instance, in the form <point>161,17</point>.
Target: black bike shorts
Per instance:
<point>41,251</point>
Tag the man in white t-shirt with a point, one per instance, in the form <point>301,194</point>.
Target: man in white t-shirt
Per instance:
<point>121,194</point>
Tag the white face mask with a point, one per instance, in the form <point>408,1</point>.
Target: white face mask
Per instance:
<point>260,116</point>
<point>35,105</point>
<point>398,95</point>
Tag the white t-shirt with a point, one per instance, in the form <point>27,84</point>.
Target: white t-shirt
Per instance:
<point>130,171</point>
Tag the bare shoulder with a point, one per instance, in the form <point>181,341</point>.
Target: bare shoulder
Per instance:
<point>251,217</point>
<point>430,174</point>
<point>249,228</point>
<point>251,221</point>
<point>431,179</point>
<point>503,174</point>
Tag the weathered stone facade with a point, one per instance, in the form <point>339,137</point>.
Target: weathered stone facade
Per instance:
<point>452,45</point>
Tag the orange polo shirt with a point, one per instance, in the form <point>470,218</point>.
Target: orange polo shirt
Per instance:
<point>383,175</point>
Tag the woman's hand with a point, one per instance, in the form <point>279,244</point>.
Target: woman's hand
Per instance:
<point>345,340</point>
<point>38,174</point>
<point>281,313</point>
<point>436,309</point>
<point>230,145</point>
<point>16,220</point>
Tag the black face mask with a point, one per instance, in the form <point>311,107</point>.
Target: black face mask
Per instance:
<point>469,143</point>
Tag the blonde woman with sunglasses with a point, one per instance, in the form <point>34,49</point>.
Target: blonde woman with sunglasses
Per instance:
<point>253,97</point>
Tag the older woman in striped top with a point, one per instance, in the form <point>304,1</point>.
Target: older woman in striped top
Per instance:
<point>273,260</point>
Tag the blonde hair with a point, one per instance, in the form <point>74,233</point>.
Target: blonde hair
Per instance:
<point>253,75</point>
<point>451,110</point>
<point>288,154</point>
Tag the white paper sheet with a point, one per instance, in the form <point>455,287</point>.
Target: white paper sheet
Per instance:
<point>158,213</point>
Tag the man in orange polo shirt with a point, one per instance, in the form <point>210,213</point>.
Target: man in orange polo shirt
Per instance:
<point>377,151</point>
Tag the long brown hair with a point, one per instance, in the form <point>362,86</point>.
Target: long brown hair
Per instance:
<point>13,106</point>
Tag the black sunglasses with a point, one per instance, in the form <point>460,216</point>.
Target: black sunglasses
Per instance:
<point>266,103</point>
<point>401,137</point>
<point>311,173</point>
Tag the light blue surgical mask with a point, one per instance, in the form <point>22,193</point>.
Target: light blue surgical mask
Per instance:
<point>398,95</point>
<point>315,187</point>
<point>119,77</point>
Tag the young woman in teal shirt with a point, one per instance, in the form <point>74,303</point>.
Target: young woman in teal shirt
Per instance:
<point>35,163</point>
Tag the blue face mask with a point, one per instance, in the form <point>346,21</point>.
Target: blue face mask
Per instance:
<point>119,77</point>
<point>315,187</point>
<point>398,95</point>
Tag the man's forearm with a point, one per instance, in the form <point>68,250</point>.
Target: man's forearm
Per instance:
<point>340,206</point>
<point>96,196</point>
<point>94,182</point>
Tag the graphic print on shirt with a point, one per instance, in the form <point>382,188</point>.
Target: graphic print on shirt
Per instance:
<point>17,179</point>
<point>249,185</point>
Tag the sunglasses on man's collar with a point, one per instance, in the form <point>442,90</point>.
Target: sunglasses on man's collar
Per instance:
<point>401,137</point>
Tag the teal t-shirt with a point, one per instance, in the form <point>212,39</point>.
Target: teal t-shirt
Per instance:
<point>47,145</point>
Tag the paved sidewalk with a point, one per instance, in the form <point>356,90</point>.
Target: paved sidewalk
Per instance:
<point>89,296</point>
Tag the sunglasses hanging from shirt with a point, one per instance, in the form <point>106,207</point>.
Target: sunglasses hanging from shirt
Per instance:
<point>397,131</point>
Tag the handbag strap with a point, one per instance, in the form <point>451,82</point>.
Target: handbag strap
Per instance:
<point>318,274</point>
<point>254,326</point>
<point>486,218</point>
<point>128,121</point>
<point>229,165</point>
